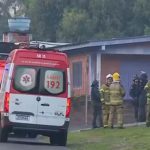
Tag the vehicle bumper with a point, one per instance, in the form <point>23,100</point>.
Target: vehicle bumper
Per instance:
<point>41,129</point>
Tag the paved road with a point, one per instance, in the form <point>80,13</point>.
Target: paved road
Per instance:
<point>39,143</point>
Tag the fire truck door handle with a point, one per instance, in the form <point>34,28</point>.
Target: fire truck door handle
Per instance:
<point>17,103</point>
<point>44,104</point>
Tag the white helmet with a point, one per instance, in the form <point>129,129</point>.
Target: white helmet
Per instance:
<point>109,76</point>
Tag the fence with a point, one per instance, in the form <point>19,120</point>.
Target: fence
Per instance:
<point>78,120</point>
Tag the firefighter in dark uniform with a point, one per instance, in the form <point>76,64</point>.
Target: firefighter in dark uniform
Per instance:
<point>142,97</point>
<point>96,103</point>
<point>134,93</point>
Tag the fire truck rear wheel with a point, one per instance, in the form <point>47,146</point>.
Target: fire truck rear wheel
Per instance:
<point>3,134</point>
<point>59,138</point>
<point>62,138</point>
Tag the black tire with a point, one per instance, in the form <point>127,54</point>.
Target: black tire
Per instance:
<point>59,138</point>
<point>3,134</point>
<point>62,138</point>
<point>53,139</point>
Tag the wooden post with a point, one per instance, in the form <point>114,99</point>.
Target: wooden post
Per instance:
<point>86,91</point>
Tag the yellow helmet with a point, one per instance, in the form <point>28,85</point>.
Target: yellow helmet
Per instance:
<point>116,76</point>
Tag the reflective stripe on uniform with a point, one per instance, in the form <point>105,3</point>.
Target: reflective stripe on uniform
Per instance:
<point>102,99</point>
<point>101,90</point>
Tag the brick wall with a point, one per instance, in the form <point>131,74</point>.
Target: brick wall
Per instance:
<point>16,37</point>
<point>110,64</point>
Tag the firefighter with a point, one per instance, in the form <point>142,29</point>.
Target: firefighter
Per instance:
<point>134,93</point>
<point>105,99</point>
<point>117,93</point>
<point>96,102</point>
<point>147,89</point>
<point>142,97</point>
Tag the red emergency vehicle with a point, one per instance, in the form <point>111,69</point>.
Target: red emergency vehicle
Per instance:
<point>3,57</point>
<point>35,94</point>
<point>5,49</point>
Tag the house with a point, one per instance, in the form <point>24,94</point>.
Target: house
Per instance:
<point>94,60</point>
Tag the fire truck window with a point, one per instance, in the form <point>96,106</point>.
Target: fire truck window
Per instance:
<point>25,79</point>
<point>54,81</point>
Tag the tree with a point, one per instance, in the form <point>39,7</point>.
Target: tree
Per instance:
<point>81,20</point>
<point>45,16</point>
<point>76,26</point>
<point>142,19</point>
<point>5,13</point>
<point>111,17</point>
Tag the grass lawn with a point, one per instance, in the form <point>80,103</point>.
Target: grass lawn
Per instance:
<point>132,138</point>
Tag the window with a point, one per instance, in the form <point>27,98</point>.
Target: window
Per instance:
<point>39,80</point>
<point>25,79</point>
<point>77,74</point>
<point>3,56</point>
<point>54,81</point>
